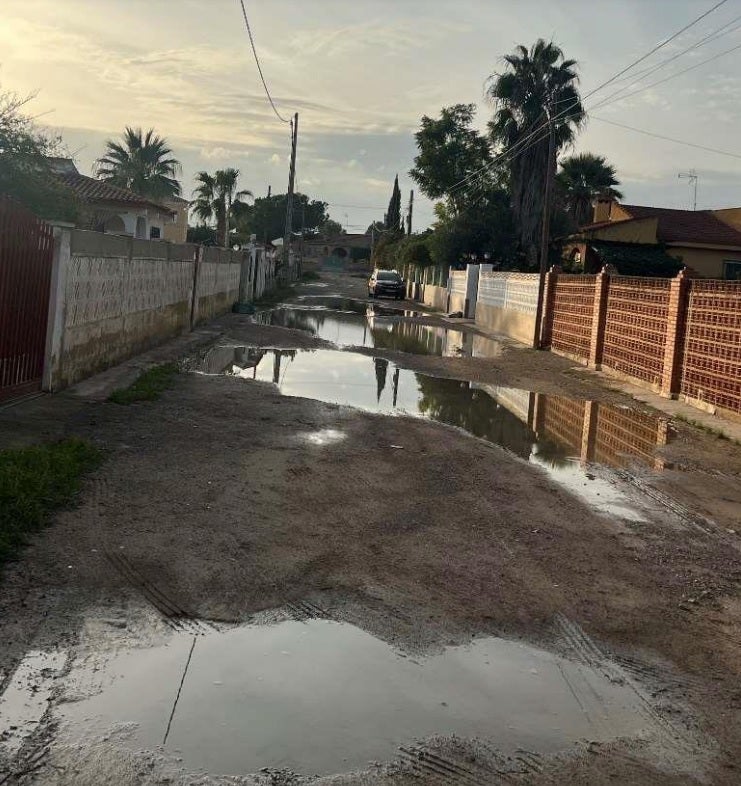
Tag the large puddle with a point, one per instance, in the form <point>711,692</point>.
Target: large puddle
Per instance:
<point>564,436</point>
<point>357,323</point>
<point>322,697</point>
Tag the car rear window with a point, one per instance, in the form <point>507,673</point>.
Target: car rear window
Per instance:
<point>386,275</point>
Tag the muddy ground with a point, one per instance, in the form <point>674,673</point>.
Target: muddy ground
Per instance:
<point>219,501</point>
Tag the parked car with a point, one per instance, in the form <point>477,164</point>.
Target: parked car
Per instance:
<point>386,282</point>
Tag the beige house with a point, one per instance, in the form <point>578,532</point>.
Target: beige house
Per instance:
<point>177,230</point>
<point>707,241</point>
<point>114,210</point>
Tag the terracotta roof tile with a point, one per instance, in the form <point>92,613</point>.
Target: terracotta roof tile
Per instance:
<point>686,226</point>
<point>90,189</point>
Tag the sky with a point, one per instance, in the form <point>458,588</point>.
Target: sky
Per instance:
<point>361,74</point>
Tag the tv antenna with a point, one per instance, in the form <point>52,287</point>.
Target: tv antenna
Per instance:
<point>693,177</point>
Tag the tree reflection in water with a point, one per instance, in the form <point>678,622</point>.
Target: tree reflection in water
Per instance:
<point>455,403</point>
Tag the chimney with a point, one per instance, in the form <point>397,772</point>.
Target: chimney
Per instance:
<point>602,209</point>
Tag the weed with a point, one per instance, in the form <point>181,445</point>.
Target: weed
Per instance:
<point>35,482</point>
<point>148,386</point>
<point>713,432</point>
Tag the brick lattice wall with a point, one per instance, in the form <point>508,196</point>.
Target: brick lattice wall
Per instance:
<point>622,435</point>
<point>573,311</point>
<point>562,419</point>
<point>635,331</point>
<point>711,368</point>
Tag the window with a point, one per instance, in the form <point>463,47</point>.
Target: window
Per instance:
<point>732,270</point>
<point>154,233</point>
<point>387,275</point>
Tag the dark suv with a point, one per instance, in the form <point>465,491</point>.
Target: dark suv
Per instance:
<point>386,282</point>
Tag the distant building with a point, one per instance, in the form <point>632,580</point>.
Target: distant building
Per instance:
<point>118,211</point>
<point>337,249</point>
<point>707,241</point>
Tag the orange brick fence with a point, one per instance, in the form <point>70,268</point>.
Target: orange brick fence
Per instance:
<point>680,336</point>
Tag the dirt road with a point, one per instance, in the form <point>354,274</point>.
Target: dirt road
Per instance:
<point>608,595</point>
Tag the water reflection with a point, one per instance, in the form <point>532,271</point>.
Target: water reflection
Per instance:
<point>360,324</point>
<point>322,697</point>
<point>553,431</point>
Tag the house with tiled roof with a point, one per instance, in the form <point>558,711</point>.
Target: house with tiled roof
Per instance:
<point>115,210</point>
<point>659,240</point>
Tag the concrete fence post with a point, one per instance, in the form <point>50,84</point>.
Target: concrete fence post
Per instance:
<point>198,258</point>
<point>57,306</point>
<point>245,276</point>
<point>599,317</point>
<point>472,289</point>
<point>549,303</point>
<point>679,289</point>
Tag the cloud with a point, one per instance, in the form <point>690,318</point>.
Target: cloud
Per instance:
<point>373,182</point>
<point>220,153</point>
<point>274,159</point>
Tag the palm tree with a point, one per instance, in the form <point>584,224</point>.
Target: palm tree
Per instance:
<point>582,179</point>
<point>216,197</point>
<point>143,163</point>
<point>538,85</point>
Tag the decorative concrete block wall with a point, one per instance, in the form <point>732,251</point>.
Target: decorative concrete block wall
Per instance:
<point>507,303</point>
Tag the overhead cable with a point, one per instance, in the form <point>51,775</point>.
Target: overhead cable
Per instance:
<point>259,67</point>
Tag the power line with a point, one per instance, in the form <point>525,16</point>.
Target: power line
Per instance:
<point>607,101</point>
<point>657,47</point>
<point>667,138</point>
<point>356,207</point>
<point>259,67</point>
<point>509,154</point>
<point>719,32</point>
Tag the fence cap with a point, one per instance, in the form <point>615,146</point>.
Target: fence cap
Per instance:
<point>609,270</point>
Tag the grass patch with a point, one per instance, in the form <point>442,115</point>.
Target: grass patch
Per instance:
<point>148,386</point>
<point>713,432</point>
<point>35,482</point>
<point>310,275</point>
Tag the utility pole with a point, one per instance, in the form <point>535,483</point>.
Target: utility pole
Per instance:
<point>545,230</point>
<point>409,214</point>
<point>289,204</point>
<point>693,178</point>
<point>267,223</point>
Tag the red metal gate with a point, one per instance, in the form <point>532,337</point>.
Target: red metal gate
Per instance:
<point>26,250</point>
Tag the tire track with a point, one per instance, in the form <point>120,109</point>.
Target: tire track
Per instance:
<point>174,616</point>
<point>438,768</point>
<point>586,652</point>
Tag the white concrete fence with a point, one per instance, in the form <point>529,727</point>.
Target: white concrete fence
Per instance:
<point>463,287</point>
<point>507,302</point>
<point>114,296</point>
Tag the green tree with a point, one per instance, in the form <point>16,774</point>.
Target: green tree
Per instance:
<point>216,198</point>
<point>393,214</point>
<point>539,84</point>
<point>486,229</point>
<point>450,151</point>
<point>266,217</point>
<point>25,173</point>
<point>331,228</point>
<point>582,179</point>
<point>141,162</point>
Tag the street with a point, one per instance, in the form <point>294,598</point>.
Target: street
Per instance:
<point>311,564</point>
